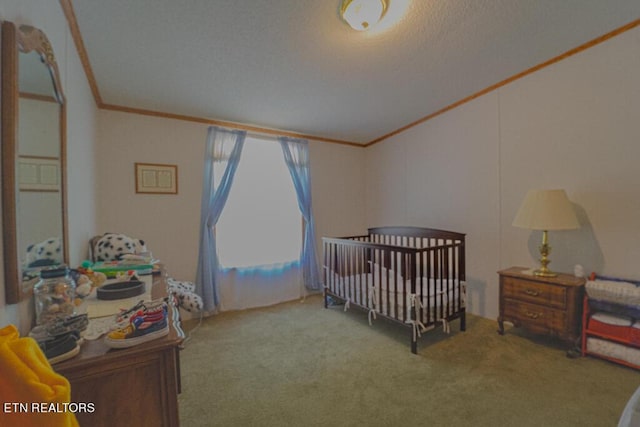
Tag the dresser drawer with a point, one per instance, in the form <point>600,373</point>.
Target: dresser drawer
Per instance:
<point>534,292</point>
<point>536,317</point>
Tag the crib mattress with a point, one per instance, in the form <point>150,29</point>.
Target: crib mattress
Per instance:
<point>387,297</point>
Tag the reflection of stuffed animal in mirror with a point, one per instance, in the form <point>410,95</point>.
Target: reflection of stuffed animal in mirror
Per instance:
<point>43,254</point>
<point>111,247</point>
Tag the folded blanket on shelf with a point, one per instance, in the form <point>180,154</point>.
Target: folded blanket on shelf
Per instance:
<point>619,292</point>
<point>614,350</point>
<point>611,319</point>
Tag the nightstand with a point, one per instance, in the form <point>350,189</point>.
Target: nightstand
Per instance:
<point>544,305</point>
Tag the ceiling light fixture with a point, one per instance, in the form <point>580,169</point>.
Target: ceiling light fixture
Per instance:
<point>362,14</point>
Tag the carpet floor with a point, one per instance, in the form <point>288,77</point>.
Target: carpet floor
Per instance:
<point>298,364</point>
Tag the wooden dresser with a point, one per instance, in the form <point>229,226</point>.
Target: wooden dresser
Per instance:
<point>545,305</point>
<point>137,386</point>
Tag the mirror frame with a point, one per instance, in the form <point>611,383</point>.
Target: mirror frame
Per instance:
<point>15,40</point>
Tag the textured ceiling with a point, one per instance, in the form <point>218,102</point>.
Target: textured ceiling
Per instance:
<point>294,65</point>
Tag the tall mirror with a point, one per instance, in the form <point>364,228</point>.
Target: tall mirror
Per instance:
<point>33,159</point>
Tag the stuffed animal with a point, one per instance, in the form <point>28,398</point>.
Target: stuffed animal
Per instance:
<point>45,253</point>
<point>185,294</point>
<point>111,247</point>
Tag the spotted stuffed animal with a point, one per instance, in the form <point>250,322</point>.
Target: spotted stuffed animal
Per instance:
<point>111,247</point>
<point>185,295</point>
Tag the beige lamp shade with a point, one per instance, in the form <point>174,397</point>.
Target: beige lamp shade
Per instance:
<point>546,210</point>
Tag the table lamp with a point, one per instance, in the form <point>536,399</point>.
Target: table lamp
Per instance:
<point>546,210</point>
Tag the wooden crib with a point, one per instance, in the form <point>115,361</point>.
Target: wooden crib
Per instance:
<point>412,276</point>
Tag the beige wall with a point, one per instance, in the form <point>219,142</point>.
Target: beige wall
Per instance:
<point>48,16</point>
<point>169,224</point>
<point>572,125</point>
<point>443,175</point>
<point>338,190</point>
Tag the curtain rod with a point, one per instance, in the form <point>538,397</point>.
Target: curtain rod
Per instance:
<point>268,134</point>
<point>270,137</point>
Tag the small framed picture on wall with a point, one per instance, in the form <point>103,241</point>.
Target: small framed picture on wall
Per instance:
<point>153,178</point>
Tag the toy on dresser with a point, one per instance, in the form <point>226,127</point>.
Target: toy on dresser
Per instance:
<point>112,247</point>
<point>185,294</point>
<point>611,320</point>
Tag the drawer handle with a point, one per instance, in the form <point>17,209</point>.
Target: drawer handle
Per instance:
<point>532,292</point>
<point>531,315</point>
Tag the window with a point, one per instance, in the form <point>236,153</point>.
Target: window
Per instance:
<point>261,222</point>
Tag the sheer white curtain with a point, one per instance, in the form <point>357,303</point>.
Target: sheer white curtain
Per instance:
<point>259,234</point>
<point>246,287</point>
<point>296,155</point>
<point>223,150</point>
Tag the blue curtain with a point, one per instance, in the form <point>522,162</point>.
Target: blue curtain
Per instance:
<point>296,156</point>
<point>222,155</point>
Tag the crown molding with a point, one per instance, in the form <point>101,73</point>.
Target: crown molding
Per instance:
<point>67,8</point>
<point>227,124</point>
